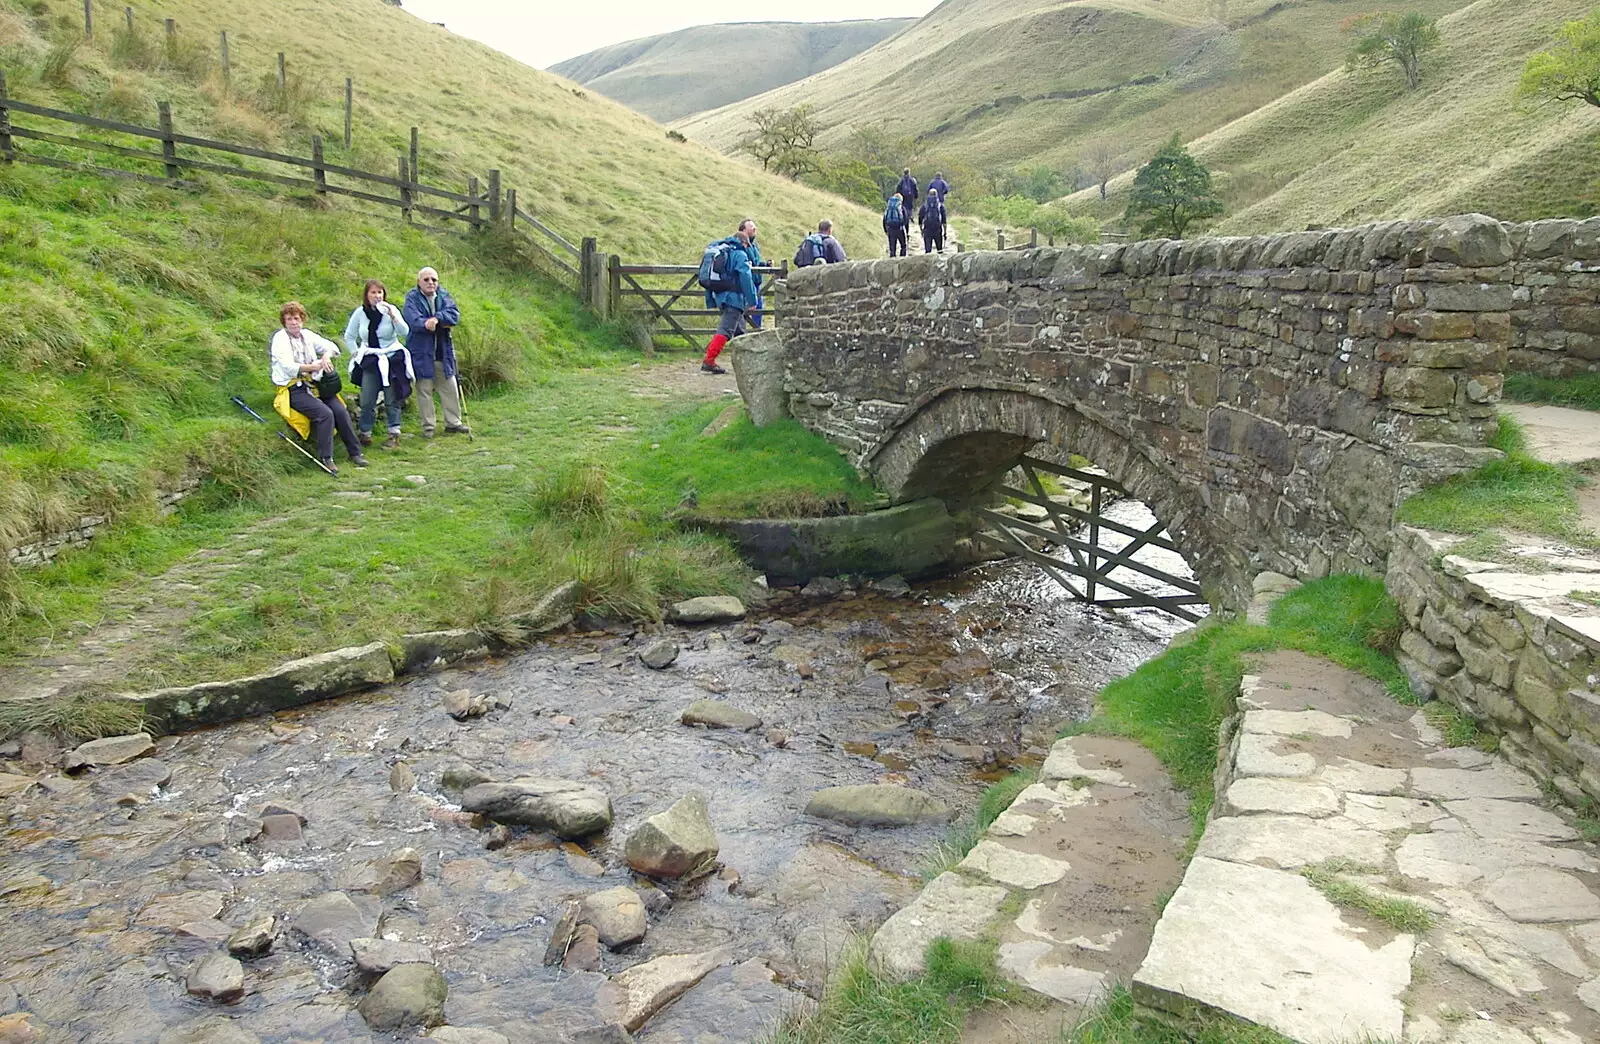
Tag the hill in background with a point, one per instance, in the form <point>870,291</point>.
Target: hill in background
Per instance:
<point>676,74</point>
<point>1353,147</point>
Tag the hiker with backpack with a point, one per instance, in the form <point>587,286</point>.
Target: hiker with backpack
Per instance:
<point>932,218</point>
<point>941,186</point>
<point>308,387</point>
<point>908,190</point>
<point>894,225</point>
<point>819,248</point>
<point>731,288</point>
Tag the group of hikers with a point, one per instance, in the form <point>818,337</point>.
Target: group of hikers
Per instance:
<point>732,285</point>
<point>392,352</point>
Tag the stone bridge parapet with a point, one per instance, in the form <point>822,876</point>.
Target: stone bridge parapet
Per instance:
<point>1272,398</point>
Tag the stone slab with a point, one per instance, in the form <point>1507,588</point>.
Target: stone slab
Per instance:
<point>949,906</point>
<point>1460,858</point>
<point>1290,842</point>
<point>1496,820</point>
<point>1541,895</point>
<point>1258,755</point>
<point>1497,780</point>
<point>1034,964</point>
<point>1004,864</point>
<point>1296,723</point>
<point>1264,945</point>
<point>1288,797</point>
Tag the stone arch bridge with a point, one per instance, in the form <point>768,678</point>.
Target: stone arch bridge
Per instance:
<point>1273,399</point>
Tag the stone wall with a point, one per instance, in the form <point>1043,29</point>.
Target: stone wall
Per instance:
<point>1273,398</point>
<point>1508,645</point>
<point>42,548</point>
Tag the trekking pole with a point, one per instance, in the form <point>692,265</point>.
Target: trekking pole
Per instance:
<point>461,399</point>
<point>302,450</point>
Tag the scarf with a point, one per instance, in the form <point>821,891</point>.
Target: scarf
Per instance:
<point>374,320</point>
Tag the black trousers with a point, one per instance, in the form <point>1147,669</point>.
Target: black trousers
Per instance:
<point>897,240</point>
<point>933,239</point>
<point>326,415</point>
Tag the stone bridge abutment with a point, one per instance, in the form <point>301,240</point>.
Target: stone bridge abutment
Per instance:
<point>1274,399</point>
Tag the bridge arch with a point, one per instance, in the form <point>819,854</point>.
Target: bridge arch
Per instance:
<point>958,442</point>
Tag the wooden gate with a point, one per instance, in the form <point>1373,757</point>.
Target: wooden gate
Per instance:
<point>677,301</point>
<point>1086,574</point>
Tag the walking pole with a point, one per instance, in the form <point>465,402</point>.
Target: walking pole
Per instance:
<point>461,398</point>
<point>240,403</point>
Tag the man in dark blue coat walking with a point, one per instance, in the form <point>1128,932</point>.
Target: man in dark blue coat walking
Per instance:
<point>432,314</point>
<point>908,191</point>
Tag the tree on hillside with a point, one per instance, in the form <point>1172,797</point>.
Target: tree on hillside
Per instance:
<point>851,178</point>
<point>784,140</point>
<point>1172,192</point>
<point>1102,161</point>
<point>1384,37</point>
<point>1569,71</point>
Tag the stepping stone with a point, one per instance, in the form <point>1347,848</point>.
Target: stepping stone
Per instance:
<point>1283,796</point>
<point>1496,820</point>
<point>1540,895</point>
<point>948,906</point>
<point>1381,812</point>
<point>1265,946</point>
<point>1296,723</point>
<point>1290,842</point>
<point>1011,867</point>
<point>1064,764</point>
<point>1028,962</point>
<point>1460,858</point>
<point>1257,756</point>
<point>1347,777</point>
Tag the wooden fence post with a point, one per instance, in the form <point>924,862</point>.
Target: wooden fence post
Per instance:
<point>495,213</point>
<point>1000,238</point>
<point>349,99</point>
<point>613,285</point>
<point>88,19</point>
<point>1033,237</point>
<point>511,209</point>
<point>405,186</point>
<point>172,32</point>
<point>5,121</point>
<point>319,174</point>
<point>472,208</point>
<point>588,263</point>
<point>127,12</point>
<point>227,68</point>
<point>283,75</point>
<point>416,170</point>
<point>169,148</point>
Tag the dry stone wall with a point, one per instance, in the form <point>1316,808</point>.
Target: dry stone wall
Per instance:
<point>1274,398</point>
<point>1508,645</point>
<point>42,548</point>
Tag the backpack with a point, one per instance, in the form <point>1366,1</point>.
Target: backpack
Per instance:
<point>716,268</point>
<point>811,248</point>
<point>892,214</point>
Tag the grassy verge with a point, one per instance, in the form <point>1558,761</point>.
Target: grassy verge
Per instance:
<point>1402,915</point>
<point>1175,703</point>
<point>1118,1020</point>
<point>995,799</point>
<point>863,1007</point>
<point>1459,730</point>
<point>1580,391</point>
<point>1518,493</point>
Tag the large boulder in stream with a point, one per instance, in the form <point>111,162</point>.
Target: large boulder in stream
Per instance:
<point>564,807</point>
<point>407,995</point>
<point>676,842</point>
<point>876,805</point>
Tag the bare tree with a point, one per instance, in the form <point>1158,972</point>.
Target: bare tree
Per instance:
<point>1102,160</point>
<point>784,140</point>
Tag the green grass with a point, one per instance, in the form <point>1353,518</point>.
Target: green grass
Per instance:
<point>1118,1020</point>
<point>76,715</point>
<point>1586,597</point>
<point>1402,915</point>
<point>781,470</point>
<point>1579,391</point>
<point>862,1007</point>
<point>1175,703</point>
<point>994,800</point>
<point>1517,493</point>
<point>1459,730</point>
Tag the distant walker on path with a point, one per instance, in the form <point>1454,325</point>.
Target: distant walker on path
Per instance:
<point>908,190</point>
<point>431,313</point>
<point>941,186</point>
<point>895,219</point>
<point>932,218</point>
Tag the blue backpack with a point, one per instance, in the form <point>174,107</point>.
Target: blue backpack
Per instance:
<point>716,268</point>
<point>811,248</point>
<point>893,214</point>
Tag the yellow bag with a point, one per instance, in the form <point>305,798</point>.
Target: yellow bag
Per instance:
<point>296,420</point>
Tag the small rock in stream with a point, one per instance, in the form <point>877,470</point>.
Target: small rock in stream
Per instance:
<point>280,828</point>
<point>401,778</point>
<point>824,587</point>
<point>254,939</point>
<point>676,842</point>
<point>876,805</point>
<point>112,750</point>
<point>461,704</point>
<point>617,915</point>
<point>401,869</point>
<point>714,714</point>
<point>566,808</point>
<point>376,956</point>
<point>891,587</point>
<point>273,808</point>
<point>659,654</point>
<point>137,777</point>
<point>332,919</point>
<point>583,953</point>
<point>707,609</point>
<point>407,995</point>
<point>217,977</point>
<point>777,738</point>
<point>631,997</point>
<point>462,777</point>
<point>496,837</point>
<point>566,923</point>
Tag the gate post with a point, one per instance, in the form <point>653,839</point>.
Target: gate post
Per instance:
<point>613,285</point>
<point>588,264</point>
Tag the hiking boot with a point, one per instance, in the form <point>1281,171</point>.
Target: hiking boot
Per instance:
<point>359,460</point>
<point>457,429</point>
<point>706,367</point>
<point>327,462</point>
<point>365,438</point>
<point>393,441</point>
<point>427,433</point>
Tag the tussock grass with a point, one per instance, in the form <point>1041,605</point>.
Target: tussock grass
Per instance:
<point>1118,1020</point>
<point>1518,493</point>
<point>1175,703</point>
<point>1402,915</point>
<point>1459,730</point>
<point>994,800</point>
<point>574,492</point>
<point>860,1006</point>
<point>79,715</point>
<point>1580,391</point>
<point>134,49</point>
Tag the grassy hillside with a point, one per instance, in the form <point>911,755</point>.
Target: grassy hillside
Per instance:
<point>1355,147</point>
<point>676,74</point>
<point>1003,83</point>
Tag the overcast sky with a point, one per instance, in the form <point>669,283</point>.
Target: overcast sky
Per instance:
<point>544,32</point>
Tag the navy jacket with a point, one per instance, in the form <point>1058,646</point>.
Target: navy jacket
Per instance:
<point>940,186</point>
<point>908,191</point>
<point>427,345</point>
<point>932,214</point>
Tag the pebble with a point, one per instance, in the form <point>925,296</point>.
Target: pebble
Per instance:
<point>254,939</point>
<point>777,738</point>
<point>617,915</point>
<point>376,956</point>
<point>566,922</point>
<point>461,704</point>
<point>659,654</point>
<point>496,837</point>
<point>406,995</point>
<point>280,828</point>
<point>401,778</point>
<point>217,977</point>
<point>416,480</point>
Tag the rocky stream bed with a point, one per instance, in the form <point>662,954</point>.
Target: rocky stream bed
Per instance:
<point>125,887</point>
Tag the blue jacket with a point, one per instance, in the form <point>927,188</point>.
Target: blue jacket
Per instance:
<point>940,186</point>
<point>741,258</point>
<point>427,345</point>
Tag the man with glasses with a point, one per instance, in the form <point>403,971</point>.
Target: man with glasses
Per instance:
<point>432,313</point>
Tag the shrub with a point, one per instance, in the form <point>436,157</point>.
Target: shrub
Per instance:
<point>486,357</point>
<point>676,136</point>
<point>61,61</point>
<point>125,100</point>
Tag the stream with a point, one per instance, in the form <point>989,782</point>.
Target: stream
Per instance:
<point>107,905</point>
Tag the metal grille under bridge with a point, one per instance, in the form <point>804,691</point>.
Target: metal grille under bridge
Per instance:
<point>1085,574</point>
